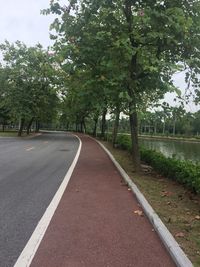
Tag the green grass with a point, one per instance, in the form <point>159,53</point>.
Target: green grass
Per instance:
<point>8,134</point>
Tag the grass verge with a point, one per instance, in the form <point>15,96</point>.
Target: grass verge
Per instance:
<point>178,208</point>
<point>8,134</point>
<point>14,134</point>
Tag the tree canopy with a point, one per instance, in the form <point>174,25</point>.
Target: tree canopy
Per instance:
<point>124,52</point>
<point>28,84</point>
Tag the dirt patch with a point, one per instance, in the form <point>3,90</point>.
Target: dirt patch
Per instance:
<point>177,207</point>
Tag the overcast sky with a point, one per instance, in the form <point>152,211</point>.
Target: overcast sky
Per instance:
<point>21,20</point>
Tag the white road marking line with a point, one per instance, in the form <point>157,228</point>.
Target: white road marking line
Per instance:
<point>30,148</point>
<point>31,247</point>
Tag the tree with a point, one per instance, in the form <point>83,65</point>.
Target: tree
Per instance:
<point>30,94</point>
<point>127,33</point>
<point>196,123</point>
<point>177,113</point>
<point>4,109</point>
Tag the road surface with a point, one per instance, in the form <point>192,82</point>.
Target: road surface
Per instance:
<point>95,224</point>
<point>31,171</point>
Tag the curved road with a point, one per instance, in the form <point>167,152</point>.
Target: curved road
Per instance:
<point>31,171</point>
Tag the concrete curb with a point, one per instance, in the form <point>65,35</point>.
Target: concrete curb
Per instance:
<point>177,254</point>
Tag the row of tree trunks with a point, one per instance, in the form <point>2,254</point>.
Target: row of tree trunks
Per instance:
<point>81,125</point>
<point>28,130</point>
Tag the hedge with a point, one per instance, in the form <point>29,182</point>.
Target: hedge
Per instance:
<point>185,172</point>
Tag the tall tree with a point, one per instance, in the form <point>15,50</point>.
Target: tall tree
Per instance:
<point>31,93</point>
<point>124,35</point>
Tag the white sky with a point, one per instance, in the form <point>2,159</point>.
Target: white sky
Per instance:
<point>21,20</point>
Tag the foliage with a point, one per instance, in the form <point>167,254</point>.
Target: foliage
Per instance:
<point>28,87</point>
<point>185,172</point>
<point>174,120</point>
<point>116,51</point>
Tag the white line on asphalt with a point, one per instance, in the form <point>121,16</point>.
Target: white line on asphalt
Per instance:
<point>30,148</point>
<point>31,247</point>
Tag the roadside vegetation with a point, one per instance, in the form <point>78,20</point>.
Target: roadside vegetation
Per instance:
<point>28,92</point>
<point>108,57</point>
<point>177,206</point>
<point>117,59</point>
<point>111,64</point>
<point>184,172</point>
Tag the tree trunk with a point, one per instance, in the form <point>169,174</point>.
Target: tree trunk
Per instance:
<point>132,86</point>
<point>84,126</point>
<point>116,126</point>
<point>94,133</point>
<point>134,138</point>
<point>81,128</point>
<point>174,126</point>
<point>103,123</point>
<point>21,127</point>
<point>163,127</point>
<point>155,128</point>
<point>29,126</point>
<point>3,126</point>
<point>37,126</point>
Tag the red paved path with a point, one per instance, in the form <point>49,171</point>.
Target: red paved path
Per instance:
<point>95,224</point>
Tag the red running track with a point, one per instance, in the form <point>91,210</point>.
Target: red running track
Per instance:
<point>95,224</point>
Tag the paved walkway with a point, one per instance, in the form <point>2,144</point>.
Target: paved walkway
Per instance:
<point>95,224</point>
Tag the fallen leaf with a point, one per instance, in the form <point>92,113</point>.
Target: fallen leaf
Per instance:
<point>197,217</point>
<point>138,212</point>
<point>180,234</point>
<point>166,194</point>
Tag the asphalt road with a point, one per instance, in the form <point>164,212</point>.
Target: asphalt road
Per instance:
<point>31,171</point>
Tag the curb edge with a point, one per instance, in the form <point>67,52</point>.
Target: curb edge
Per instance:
<point>177,254</point>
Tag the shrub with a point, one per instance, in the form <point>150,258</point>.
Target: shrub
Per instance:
<point>124,142</point>
<point>185,172</point>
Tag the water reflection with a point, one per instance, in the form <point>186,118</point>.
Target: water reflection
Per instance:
<point>181,150</point>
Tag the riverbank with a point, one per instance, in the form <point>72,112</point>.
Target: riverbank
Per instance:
<point>177,206</point>
<point>165,137</point>
<point>173,138</point>
<point>15,134</point>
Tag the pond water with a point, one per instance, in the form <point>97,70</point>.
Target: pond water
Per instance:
<point>180,149</point>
